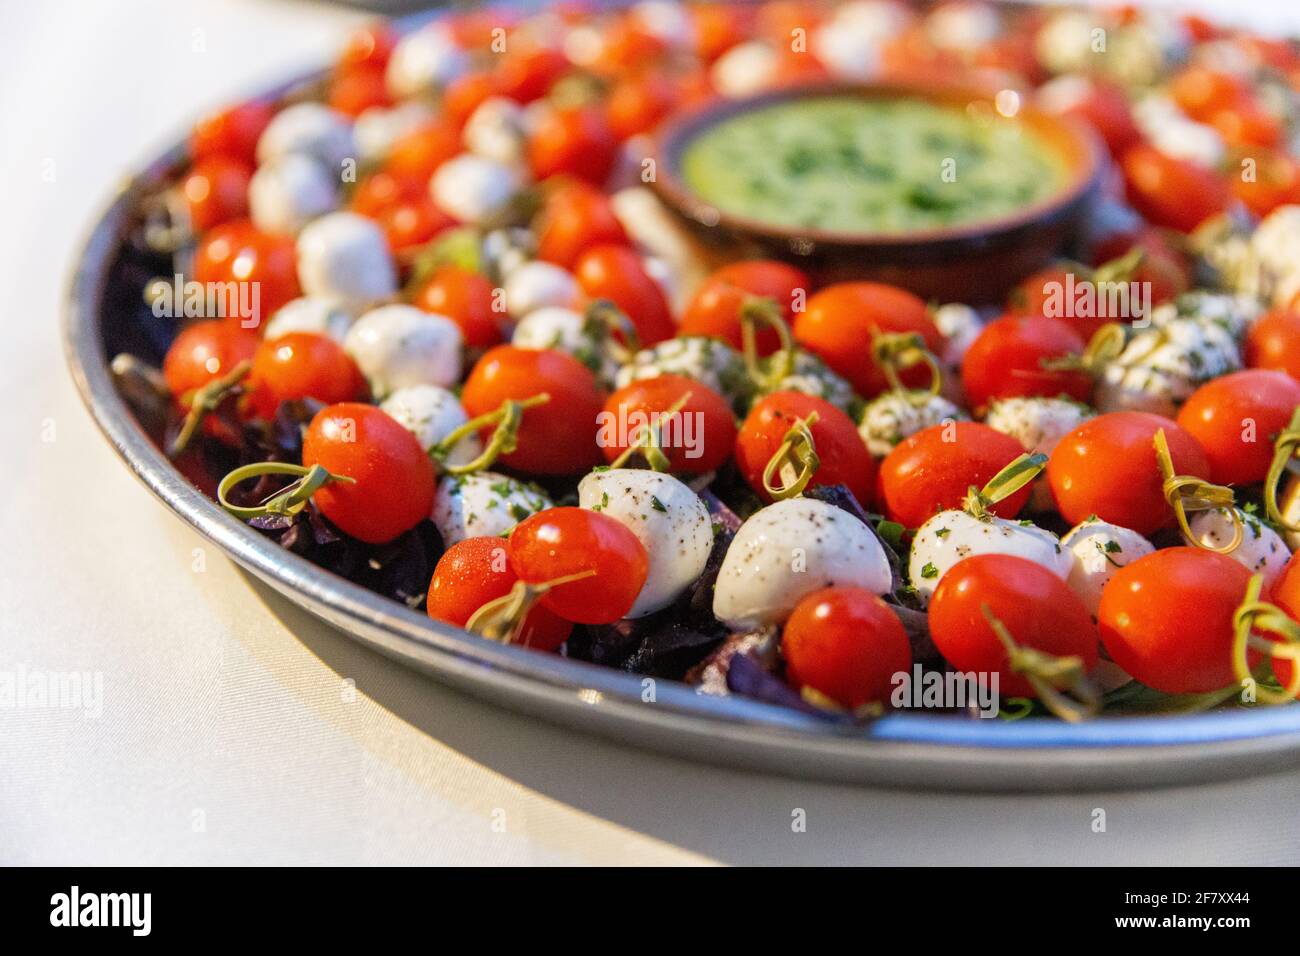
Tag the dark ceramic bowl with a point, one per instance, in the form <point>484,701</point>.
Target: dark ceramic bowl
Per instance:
<point>972,262</point>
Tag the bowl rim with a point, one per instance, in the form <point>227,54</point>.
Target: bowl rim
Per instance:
<point>673,137</point>
<point>900,749</point>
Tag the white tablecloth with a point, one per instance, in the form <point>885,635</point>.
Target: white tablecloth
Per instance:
<point>236,729</point>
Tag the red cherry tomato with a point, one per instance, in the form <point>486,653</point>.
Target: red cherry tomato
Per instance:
<point>715,309</point>
<point>233,132</point>
<point>1274,180</point>
<point>392,478</point>
<point>477,570</point>
<point>1166,619</point>
<point>525,75</point>
<point>843,455</point>
<point>1007,357</point>
<point>467,93</point>
<point>558,438</point>
<point>215,191</point>
<point>574,142</point>
<point>706,446</point>
<point>466,298</point>
<point>301,365</point>
<point>560,542</point>
<point>1107,467</point>
<point>1201,91</point>
<point>933,470</point>
<point>370,46</point>
<point>1247,123</point>
<point>1235,418</point>
<point>718,27</point>
<point>637,104</point>
<point>237,251</point>
<point>410,223</point>
<point>1274,342</point>
<point>1172,192</point>
<point>627,48</point>
<point>840,321</point>
<point>1105,107</point>
<point>615,273</point>
<point>846,643</point>
<point>574,218</point>
<point>354,90</point>
<point>383,190</point>
<point>1037,608</point>
<point>203,352</point>
<point>418,154</point>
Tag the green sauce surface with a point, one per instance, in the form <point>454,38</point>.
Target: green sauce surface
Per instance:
<point>851,164</point>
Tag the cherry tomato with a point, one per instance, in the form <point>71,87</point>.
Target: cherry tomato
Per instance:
<point>383,190</point>
<point>715,309</point>
<point>1105,108</point>
<point>418,154</point>
<point>573,218</point>
<point>933,469</point>
<point>1235,418</point>
<point>237,251</point>
<point>558,438</point>
<point>215,191</point>
<point>712,434</point>
<point>466,298</point>
<point>718,27</point>
<point>560,542</point>
<point>1172,192</point>
<point>301,365</point>
<point>1200,91</point>
<point>1285,593</point>
<point>843,455</point>
<point>1107,467</point>
<point>840,321</point>
<point>392,478</point>
<point>203,352</point>
<point>477,570</point>
<point>1264,179</point>
<point>369,46</point>
<point>574,142</point>
<point>410,223</point>
<point>1166,619</point>
<point>626,47</point>
<point>1274,342</point>
<point>354,90</point>
<point>1007,357</point>
<point>637,104</point>
<point>467,93</point>
<point>615,273</point>
<point>525,75</point>
<point>1037,608</point>
<point>846,643</point>
<point>1247,123</point>
<point>233,132</point>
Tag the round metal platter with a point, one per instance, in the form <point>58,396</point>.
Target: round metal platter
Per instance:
<point>901,750</point>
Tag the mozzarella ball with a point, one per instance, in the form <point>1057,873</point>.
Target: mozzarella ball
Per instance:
<point>1232,313</point>
<point>951,536</point>
<point>963,26</point>
<point>812,376</point>
<point>473,188</point>
<point>424,61</point>
<point>668,21</point>
<point>789,549</point>
<point>1169,130</point>
<point>1275,249</point>
<point>496,130</point>
<point>1161,366</point>
<point>288,192</point>
<point>344,256</point>
<point>310,313</point>
<point>745,69</point>
<point>539,285</point>
<point>396,346</point>
<point>483,504</point>
<point>710,361</point>
<point>1037,423</point>
<point>378,128</point>
<point>848,43</point>
<point>309,129</point>
<point>1261,551</point>
<point>566,331</point>
<point>1097,550</point>
<point>892,416</point>
<point>431,413</point>
<point>666,516</point>
<point>960,325</point>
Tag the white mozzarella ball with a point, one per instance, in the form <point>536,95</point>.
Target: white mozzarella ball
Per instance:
<point>1064,43</point>
<point>496,130</point>
<point>344,256</point>
<point>424,61</point>
<point>483,504</point>
<point>745,69</point>
<point>309,129</point>
<point>1232,313</point>
<point>431,413</point>
<point>539,285</point>
<point>892,416</point>
<point>812,376</point>
<point>789,549</point>
<point>1262,550</point>
<point>473,188</point>
<point>1169,130</point>
<point>951,536</point>
<point>565,331</point>
<point>963,26</point>
<point>399,345</point>
<point>1097,550</point>
<point>668,21</point>
<point>310,313</point>
<point>378,128</point>
<point>1161,367</point>
<point>1037,423</point>
<point>710,361</point>
<point>848,43</point>
<point>960,325</point>
<point>667,517</point>
<point>288,192</point>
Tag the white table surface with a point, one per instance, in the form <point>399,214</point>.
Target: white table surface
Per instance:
<point>229,730</point>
